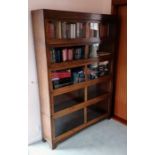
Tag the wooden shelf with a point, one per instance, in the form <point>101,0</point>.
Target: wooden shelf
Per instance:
<point>69,109</point>
<point>80,105</point>
<point>77,129</point>
<point>77,86</point>
<point>78,63</point>
<point>78,41</point>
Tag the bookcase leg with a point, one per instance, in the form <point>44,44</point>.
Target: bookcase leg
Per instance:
<point>54,146</point>
<point>43,140</point>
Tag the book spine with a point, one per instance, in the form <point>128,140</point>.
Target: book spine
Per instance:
<point>50,30</point>
<point>78,30</point>
<point>52,55</point>
<point>81,30</point>
<point>64,55</point>
<point>58,55</point>
<point>64,30</point>
<point>59,24</point>
<point>70,54</point>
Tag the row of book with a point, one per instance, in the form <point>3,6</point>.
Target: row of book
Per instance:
<point>66,54</point>
<point>76,75</point>
<point>65,30</point>
<point>67,77</point>
<point>98,70</point>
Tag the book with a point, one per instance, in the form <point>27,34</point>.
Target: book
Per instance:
<point>78,30</point>
<point>81,30</point>
<point>64,55</point>
<point>64,30</point>
<point>78,53</point>
<point>51,30</point>
<point>58,55</point>
<point>61,75</point>
<point>71,31</point>
<point>70,54</point>
<point>103,68</point>
<point>58,30</point>
<point>52,53</point>
<point>78,75</point>
<point>61,82</point>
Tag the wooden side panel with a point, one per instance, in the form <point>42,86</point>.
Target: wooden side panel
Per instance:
<point>42,71</point>
<point>121,77</point>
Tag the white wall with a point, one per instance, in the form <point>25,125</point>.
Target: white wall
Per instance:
<point>93,6</point>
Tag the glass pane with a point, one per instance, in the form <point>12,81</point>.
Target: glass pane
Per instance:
<point>67,77</point>
<point>68,122</point>
<point>68,99</point>
<point>65,30</point>
<point>97,110</point>
<point>58,55</point>
<point>94,30</point>
<point>93,50</point>
<point>98,89</point>
<point>71,30</point>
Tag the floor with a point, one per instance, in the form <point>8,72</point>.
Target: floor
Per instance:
<point>108,137</point>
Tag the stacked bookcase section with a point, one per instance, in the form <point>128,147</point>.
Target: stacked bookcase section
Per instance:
<point>75,61</point>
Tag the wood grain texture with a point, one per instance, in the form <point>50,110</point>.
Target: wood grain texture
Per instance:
<point>42,72</point>
<point>79,128</point>
<point>121,77</point>
<point>44,68</point>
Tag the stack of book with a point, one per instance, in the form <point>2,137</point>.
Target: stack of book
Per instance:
<point>72,30</point>
<point>98,70</point>
<point>103,68</point>
<point>67,77</point>
<point>92,71</point>
<point>78,75</point>
<point>61,78</point>
<point>58,55</point>
<point>65,30</point>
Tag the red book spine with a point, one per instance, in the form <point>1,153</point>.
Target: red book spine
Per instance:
<point>61,75</point>
<point>64,54</point>
<point>51,30</point>
<point>70,54</point>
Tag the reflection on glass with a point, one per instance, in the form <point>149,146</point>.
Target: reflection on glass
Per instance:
<point>98,89</point>
<point>68,122</point>
<point>69,99</point>
<point>93,49</point>
<point>97,110</point>
<point>94,30</point>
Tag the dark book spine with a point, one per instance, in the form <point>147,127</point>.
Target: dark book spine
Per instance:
<point>53,59</point>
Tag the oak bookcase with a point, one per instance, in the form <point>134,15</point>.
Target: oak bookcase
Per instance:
<point>76,90</point>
